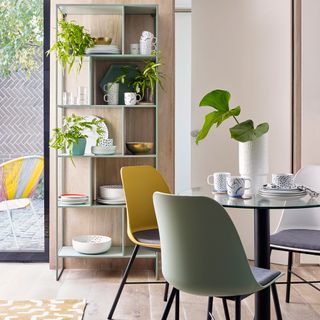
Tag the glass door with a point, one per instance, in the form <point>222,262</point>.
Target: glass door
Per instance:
<point>24,130</point>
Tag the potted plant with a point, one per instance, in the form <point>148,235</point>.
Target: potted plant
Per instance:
<point>72,43</point>
<point>71,137</point>
<point>145,81</point>
<point>253,146</point>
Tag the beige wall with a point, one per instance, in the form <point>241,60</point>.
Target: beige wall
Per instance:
<point>243,47</point>
<point>310,90</point>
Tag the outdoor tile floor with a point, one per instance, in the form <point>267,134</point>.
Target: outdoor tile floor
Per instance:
<point>28,227</point>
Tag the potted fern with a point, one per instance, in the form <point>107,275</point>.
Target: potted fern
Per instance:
<point>71,136</point>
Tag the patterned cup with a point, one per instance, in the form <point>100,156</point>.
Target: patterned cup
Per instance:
<point>219,182</point>
<point>283,180</point>
<point>105,142</point>
<point>236,186</point>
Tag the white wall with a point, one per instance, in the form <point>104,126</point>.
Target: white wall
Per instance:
<point>244,47</point>
<point>310,69</point>
<point>183,98</point>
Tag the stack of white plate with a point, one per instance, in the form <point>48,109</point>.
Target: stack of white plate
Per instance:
<point>101,49</point>
<point>111,194</point>
<point>282,194</point>
<point>73,198</point>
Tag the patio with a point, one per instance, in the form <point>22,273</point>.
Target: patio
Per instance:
<point>29,229</point>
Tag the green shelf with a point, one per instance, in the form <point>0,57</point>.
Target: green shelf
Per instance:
<point>94,204</point>
<point>117,155</point>
<point>105,106</point>
<point>128,57</point>
<point>113,252</point>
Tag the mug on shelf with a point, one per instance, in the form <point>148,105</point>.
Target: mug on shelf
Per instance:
<point>134,48</point>
<point>283,180</point>
<point>219,182</point>
<point>105,142</point>
<point>236,186</point>
<point>112,95</point>
<point>131,98</point>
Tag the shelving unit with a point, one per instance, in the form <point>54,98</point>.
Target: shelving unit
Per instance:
<point>127,123</point>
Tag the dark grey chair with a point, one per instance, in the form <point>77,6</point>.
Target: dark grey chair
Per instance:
<point>202,253</point>
<point>299,230</point>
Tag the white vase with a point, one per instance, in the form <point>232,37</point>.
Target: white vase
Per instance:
<point>253,162</point>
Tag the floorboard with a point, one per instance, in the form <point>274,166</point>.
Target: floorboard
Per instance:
<point>98,287</point>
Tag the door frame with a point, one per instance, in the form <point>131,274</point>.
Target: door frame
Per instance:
<point>33,256</point>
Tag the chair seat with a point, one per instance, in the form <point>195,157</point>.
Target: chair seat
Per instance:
<point>150,236</point>
<point>297,238</point>
<point>264,276</point>
<point>14,204</point>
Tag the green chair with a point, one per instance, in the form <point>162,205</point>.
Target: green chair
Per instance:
<point>202,253</point>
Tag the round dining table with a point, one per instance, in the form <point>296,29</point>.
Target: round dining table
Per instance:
<point>261,207</point>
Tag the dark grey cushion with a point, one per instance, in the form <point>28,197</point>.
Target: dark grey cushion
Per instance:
<point>264,276</point>
<point>150,236</point>
<point>297,238</point>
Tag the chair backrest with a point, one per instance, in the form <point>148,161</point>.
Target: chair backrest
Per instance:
<point>19,177</point>
<point>139,184</point>
<point>303,218</point>
<point>201,251</point>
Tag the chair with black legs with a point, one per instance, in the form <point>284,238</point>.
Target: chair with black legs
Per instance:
<point>202,254</point>
<point>139,184</point>
<point>299,230</point>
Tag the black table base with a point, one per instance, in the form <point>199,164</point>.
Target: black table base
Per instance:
<point>262,259</point>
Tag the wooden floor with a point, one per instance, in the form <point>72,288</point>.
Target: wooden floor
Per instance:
<point>36,281</point>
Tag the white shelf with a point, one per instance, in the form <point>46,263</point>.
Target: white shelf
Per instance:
<point>104,106</point>
<point>117,155</point>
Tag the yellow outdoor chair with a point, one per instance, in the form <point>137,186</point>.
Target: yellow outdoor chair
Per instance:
<point>19,179</point>
<point>139,183</point>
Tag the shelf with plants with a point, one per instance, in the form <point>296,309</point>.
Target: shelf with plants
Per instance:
<point>104,106</point>
<point>125,123</point>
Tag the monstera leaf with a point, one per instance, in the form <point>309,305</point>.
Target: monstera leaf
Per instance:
<point>245,131</point>
<point>219,100</point>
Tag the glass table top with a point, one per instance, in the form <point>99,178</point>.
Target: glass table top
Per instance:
<point>256,201</point>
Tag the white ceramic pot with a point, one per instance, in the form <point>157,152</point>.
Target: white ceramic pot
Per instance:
<point>254,162</point>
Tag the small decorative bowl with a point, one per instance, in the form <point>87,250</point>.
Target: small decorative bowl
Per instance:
<point>102,40</point>
<point>139,147</point>
<point>91,244</point>
<point>101,150</point>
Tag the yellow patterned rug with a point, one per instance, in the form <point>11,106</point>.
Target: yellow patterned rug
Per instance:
<point>42,309</point>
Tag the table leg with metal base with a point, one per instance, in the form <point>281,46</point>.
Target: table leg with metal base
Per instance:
<point>262,259</point>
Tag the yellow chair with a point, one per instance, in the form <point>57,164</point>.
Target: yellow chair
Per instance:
<point>140,183</point>
<point>19,179</point>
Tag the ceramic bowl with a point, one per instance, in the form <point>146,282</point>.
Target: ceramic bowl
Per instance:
<point>102,40</point>
<point>112,192</point>
<point>139,147</point>
<point>103,150</point>
<point>91,244</point>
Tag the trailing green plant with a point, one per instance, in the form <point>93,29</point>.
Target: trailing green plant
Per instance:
<point>72,130</point>
<point>72,43</point>
<point>242,131</point>
<point>148,77</point>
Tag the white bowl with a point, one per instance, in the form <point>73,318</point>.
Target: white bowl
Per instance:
<point>112,192</point>
<point>103,150</point>
<point>91,244</point>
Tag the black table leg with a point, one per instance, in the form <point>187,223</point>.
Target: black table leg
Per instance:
<point>262,259</point>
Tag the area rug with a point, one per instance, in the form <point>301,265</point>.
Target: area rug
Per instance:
<point>42,309</point>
